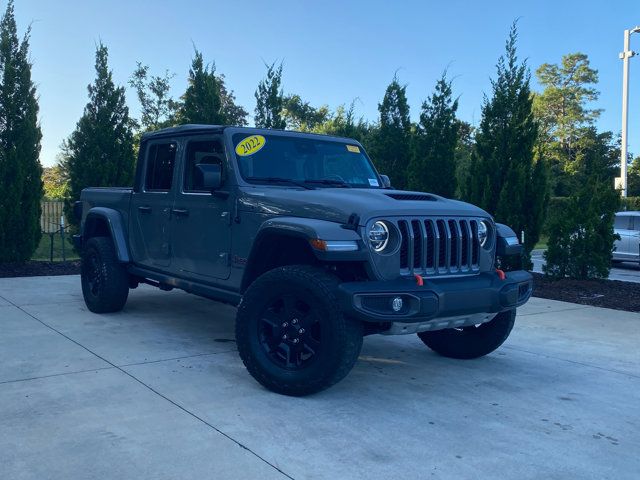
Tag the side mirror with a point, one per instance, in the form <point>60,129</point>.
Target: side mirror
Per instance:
<point>211,176</point>
<point>386,183</point>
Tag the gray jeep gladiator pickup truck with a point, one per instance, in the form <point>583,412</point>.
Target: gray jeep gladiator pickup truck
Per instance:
<point>309,241</point>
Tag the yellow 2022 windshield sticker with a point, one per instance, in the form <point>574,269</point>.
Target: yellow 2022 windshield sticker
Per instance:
<point>250,145</point>
<point>353,148</point>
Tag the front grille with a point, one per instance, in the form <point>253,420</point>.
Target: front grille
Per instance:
<point>438,246</point>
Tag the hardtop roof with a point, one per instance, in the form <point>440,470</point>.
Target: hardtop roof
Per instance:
<point>192,128</point>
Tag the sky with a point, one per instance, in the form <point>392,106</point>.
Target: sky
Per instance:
<point>334,52</point>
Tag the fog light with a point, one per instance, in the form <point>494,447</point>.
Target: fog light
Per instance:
<point>396,304</point>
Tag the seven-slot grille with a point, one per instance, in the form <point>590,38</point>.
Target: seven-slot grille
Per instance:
<point>439,246</point>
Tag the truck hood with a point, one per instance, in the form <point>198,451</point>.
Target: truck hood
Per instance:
<point>338,204</point>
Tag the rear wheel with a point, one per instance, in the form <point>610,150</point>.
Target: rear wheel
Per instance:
<point>471,342</point>
<point>105,281</point>
<point>291,334</point>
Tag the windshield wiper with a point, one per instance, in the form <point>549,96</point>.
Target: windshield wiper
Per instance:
<point>327,181</point>
<point>280,180</point>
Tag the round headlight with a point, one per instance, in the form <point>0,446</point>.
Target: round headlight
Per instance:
<point>379,236</point>
<point>483,232</point>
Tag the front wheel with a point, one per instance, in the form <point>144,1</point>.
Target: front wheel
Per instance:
<point>291,334</point>
<point>471,342</point>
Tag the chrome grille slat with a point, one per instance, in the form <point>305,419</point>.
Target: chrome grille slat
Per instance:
<point>438,245</point>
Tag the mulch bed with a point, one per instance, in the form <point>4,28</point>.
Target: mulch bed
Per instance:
<point>35,268</point>
<point>598,293</point>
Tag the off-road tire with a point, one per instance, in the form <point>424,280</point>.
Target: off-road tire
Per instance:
<point>471,342</point>
<point>105,281</point>
<point>341,337</point>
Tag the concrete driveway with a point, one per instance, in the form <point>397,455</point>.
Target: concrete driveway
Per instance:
<point>158,391</point>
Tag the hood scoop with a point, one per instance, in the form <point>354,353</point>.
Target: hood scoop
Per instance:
<point>414,197</point>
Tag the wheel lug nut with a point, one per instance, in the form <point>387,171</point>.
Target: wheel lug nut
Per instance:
<point>294,321</point>
<point>295,340</point>
<point>301,331</point>
<point>285,336</point>
<point>285,325</point>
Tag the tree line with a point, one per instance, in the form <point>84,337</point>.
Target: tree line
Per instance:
<point>527,147</point>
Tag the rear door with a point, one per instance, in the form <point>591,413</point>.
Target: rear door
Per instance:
<point>151,204</point>
<point>201,236</point>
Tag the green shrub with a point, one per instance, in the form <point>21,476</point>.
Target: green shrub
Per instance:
<point>580,227</point>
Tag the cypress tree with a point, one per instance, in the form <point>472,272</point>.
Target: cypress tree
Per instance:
<point>505,180</point>
<point>20,135</point>
<point>432,167</point>
<point>270,100</point>
<point>99,153</point>
<point>201,103</point>
<point>391,142</point>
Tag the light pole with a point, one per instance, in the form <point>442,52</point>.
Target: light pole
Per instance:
<point>625,56</point>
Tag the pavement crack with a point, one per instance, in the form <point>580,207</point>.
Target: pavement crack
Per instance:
<point>161,395</point>
<point>61,374</point>
<point>176,358</point>
<point>581,307</point>
<point>589,365</point>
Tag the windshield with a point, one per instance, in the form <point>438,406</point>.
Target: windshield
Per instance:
<point>316,162</point>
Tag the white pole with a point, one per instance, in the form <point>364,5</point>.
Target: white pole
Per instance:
<point>625,56</point>
<point>625,113</point>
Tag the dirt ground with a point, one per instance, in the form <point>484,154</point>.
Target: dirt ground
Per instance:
<point>598,293</point>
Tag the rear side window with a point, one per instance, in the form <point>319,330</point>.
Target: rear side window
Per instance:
<point>160,163</point>
<point>636,224</point>
<point>622,222</point>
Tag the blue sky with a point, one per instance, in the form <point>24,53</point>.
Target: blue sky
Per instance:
<point>333,51</point>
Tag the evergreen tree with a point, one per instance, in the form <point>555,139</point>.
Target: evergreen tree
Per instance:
<point>391,141</point>
<point>232,113</point>
<point>463,154</point>
<point>20,135</point>
<point>581,236</point>
<point>432,167</point>
<point>505,180</point>
<point>99,153</point>
<point>270,100</point>
<point>201,103</point>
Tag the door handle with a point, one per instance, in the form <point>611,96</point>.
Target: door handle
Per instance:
<point>144,209</point>
<point>181,212</point>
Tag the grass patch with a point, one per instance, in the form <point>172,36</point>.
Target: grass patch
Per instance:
<point>43,252</point>
<point>542,243</point>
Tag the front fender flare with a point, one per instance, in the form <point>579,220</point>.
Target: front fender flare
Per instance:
<point>311,229</point>
<point>507,239</point>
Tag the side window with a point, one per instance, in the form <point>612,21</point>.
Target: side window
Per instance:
<point>201,151</point>
<point>636,224</point>
<point>622,222</point>
<point>161,159</point>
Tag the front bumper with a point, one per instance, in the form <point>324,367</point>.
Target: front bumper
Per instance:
<point>437,298</point>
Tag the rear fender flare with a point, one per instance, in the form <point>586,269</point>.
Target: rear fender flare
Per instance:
<point>115,225</point>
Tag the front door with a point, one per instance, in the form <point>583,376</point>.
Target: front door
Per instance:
<point>201,235</point>
<point>151,204</point>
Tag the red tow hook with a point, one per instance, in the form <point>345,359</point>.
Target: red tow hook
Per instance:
<point>500,274</point>
<point>419,280</point>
